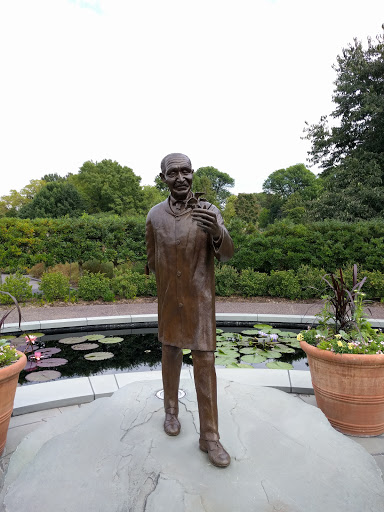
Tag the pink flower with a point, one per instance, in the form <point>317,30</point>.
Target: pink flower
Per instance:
<point>31,339</point>
<point>37,356</point>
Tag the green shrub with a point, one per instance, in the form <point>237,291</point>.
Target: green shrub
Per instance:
<point>284,283</point>
<point>311,282</point>
<point>95,266</point>
<point>253,284</point>
<point>18,286</point>
<point>374,285</point>
<point>146,285</point>
<point>124,284</point>
<point>55,286</point>
<point>227,281</point>
<point>94,287</point>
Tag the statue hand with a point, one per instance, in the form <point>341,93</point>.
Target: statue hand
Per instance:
<point>207,221</point>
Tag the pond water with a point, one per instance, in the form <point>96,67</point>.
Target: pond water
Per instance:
<point>78,354</point>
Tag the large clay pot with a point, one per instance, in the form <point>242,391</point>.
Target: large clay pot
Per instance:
<point>9,377</point>
<point>349,389</point>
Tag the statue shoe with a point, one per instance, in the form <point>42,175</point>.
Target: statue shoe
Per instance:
<point>171,425</point>
<point>216,453</point>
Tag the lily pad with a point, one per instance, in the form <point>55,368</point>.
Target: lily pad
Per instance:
<point>186,351</point>
<point>31,365</point>
<point>49,351</point>
<point>270,354</point>
<point>295,344</point>
<point>43,376</point>
<point>98,356</point>
<point>284,349</point>
<point>263,327</point>
<point>95,337</point>
<point>239,365</point>
<point>249,350</point>
<point>85,346</point>
<point>223,361</point>
<point>279,365</point>
<point>250,332</point>
<point>73,340</point>
<point>220,338</point>
<point>51,362</point>
<point>275,331</point>
<point>226,352</point>
<point>290,334</point>
<point>8,337</point>
<point>229,335</point>
<point>111,340</point>
<point>254,359</point>
<point>37,334</point>
<point>219,331</point>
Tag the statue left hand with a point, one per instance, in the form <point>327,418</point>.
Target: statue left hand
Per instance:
<point>207,221</point>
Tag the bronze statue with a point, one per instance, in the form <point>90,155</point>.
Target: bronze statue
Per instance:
<point>184,233</point>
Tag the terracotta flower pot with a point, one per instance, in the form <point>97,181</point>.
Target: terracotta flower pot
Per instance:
<point>349,389</point>
<point>9,377</point>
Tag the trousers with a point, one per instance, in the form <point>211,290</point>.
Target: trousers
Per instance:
<point>205,384</point>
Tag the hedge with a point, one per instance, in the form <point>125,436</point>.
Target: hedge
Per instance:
<point>282,246</point>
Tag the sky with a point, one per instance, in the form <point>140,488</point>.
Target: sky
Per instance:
<point>229,83</point>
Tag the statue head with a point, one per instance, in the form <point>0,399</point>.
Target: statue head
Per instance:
<point>177,173</point>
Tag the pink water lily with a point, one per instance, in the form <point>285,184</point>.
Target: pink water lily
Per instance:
<point>31,339</point>
<point>37,356</point>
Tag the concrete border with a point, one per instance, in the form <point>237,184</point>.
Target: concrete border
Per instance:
<point>61,393</point>
<point>137,321</point>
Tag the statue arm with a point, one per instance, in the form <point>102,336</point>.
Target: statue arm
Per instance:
<point>223,246</point>
<point>150,241</point>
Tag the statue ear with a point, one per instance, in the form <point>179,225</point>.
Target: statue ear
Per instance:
<point>162,177</point>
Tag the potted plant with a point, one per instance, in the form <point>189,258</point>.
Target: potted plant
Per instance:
<point>11,363</point>
<point>346,360</point>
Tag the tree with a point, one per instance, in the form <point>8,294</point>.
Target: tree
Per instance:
<point>286,182</point>
<point>209,179</point>
<point>151,197</point>
<point>55,200</point>
<point>248,207</point>
<point>359,113</point>
<point>352,151</point>
<point>48,178</point>
<point>109,187</point>
<point>12,203</point>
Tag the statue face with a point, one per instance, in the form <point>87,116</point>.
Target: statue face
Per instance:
<point>178,176</point>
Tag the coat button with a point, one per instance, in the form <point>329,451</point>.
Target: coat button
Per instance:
<point>178,273</point>
<point>177,242</point>
<point>181,305</point>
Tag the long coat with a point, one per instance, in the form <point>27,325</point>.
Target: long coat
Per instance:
<point>182,255</point>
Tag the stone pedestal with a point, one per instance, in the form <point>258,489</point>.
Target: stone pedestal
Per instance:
<point>113,456</point>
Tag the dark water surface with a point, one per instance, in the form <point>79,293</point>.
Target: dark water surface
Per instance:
<point>139,351</point>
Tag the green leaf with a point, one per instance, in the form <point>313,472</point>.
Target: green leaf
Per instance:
<point>43,376</point>
<point>256,358</point>
<point>219,331</point>
<point>239,365</point>
<point>111,340</point>
<point>263,327</point>
<point>223,361</point>
<point>98,356</point>
<point>284,349</point>
<point>85,346</point>
<point>95,337</point>
<point>37,334</point>
<point>278,365</point>
<point>269,354</point>
<point>295,344</point>
<point>249,350</point>
<point>72,340</point>
<point>290,334</point>
<point>186,351</point>
<point>250,332</point>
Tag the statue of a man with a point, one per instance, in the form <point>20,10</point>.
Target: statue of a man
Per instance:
<point>184,234</point>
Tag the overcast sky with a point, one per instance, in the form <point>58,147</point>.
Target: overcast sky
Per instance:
<point>229,83</point>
